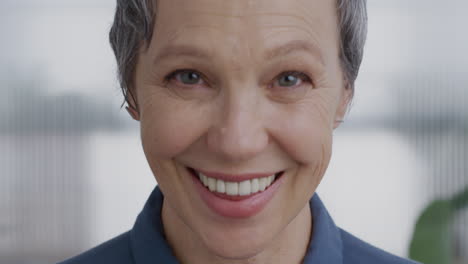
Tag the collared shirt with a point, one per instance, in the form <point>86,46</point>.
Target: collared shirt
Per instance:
<point>145,242</point>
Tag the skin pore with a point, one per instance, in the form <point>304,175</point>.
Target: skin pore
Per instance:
<point>238,87</point>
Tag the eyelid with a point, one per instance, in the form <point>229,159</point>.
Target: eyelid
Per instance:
<point>172,75</point>
<point>302,75</point>
<point>296,73</point>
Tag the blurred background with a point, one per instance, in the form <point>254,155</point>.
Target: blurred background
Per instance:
<point>73,174</point>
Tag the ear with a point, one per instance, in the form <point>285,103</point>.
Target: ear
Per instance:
<point>133,112</point>
<point>345,100</point>
<point>132,107</point>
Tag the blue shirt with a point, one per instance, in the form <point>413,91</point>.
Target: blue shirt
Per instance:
<point>145,242</point>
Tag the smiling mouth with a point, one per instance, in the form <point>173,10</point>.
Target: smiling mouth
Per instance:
<point>239,188</point>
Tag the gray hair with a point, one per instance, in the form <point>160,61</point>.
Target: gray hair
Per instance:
<point>134,22</point>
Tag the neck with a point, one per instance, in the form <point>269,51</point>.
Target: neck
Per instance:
<point>289,246</point>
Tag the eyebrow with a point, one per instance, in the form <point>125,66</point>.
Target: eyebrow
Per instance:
<point>295,46</point>
<point>181,50</point>
<point>184,50</point>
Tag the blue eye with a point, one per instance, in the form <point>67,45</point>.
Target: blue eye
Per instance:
<point>189,84</point>
<point>293,78</point>
<point>185,77</point>
<point>188,77</point>
<point>288,80</point>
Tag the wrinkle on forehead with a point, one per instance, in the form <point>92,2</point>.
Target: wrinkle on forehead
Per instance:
<point>227,8</point>
<point>246,8</point>
<point>247,11</point>
<point>238,30</point>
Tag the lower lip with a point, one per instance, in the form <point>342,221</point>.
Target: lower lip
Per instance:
<point>236,206</point>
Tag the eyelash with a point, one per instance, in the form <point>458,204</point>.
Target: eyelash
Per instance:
<point>172,75</point>
<point>301,75</point>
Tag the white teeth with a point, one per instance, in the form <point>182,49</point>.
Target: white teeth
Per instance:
<point>254,186</point>
<point>262,183</point>
<point>220,186</point>
<point>244,188</point>
<point>205,180</point>
<point>237,188</point>
<point>232,188</point>
<point>212,184</point>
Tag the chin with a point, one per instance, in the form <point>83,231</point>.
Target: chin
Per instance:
<point>241,239</point>
<point>244,246</point>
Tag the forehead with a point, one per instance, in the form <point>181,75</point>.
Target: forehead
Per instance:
<point>248,27</point>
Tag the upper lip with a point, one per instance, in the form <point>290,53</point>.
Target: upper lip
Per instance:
<point>234,177</point>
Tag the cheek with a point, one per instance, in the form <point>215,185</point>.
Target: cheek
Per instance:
<point>168,128</point>
<point>308,142</point>
<point>305,132</point>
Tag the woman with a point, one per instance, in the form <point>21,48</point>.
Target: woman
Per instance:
<point>237,103</point>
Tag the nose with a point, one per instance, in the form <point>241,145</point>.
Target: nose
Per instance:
<point>239,132</point>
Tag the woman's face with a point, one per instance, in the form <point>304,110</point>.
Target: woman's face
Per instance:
<point>240,90</point>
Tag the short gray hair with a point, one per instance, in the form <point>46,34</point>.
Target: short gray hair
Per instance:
<point>134,22</point>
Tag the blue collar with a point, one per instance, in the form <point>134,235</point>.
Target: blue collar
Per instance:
<point>149,244</point>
